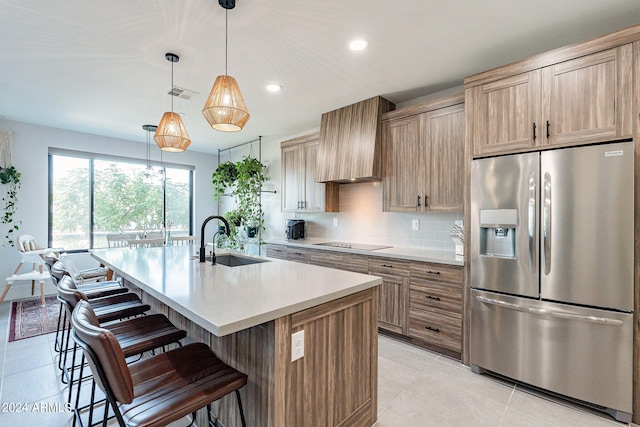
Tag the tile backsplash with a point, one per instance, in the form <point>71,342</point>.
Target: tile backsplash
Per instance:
<point>361,220</point>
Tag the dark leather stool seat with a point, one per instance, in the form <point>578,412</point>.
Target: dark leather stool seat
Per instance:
<point>107,308</point>
<point>158,390</point>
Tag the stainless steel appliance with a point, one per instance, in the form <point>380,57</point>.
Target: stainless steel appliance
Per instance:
<point>551,254</point>
<point>295,229</point>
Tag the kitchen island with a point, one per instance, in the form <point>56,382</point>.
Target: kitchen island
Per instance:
<point>248,313</point>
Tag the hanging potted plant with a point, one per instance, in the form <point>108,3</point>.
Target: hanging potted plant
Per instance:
<point>223,177</point>
<point>10,178</point>
<point>251,177</point>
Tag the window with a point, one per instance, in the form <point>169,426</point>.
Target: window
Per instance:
<point>93,196</point>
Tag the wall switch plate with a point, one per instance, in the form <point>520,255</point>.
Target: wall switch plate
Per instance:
<point>297,345</point>
<point>335,222</point>
<point>415,224</point>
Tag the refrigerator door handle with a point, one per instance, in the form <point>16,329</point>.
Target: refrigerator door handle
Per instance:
<point>546,219</point>
<point>558,314</point>
<point>532,222</point>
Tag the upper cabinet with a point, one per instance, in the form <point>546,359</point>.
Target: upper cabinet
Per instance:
<point>579,100</point>
<point>300,191</point>
<point>423,148</point>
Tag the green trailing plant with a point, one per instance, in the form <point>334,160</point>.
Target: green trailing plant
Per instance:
<point>10,178</point>
<point>223,177</point>
<point>251,177</point>
<point>246,177</point>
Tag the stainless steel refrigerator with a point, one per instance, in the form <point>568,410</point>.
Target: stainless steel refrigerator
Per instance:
<point>551,252</point>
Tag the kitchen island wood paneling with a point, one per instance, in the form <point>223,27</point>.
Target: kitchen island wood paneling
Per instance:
<point>247,315</point>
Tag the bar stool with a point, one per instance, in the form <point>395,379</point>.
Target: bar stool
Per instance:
<point>107,309</point>
<point>135,336</point>
<point>95,289</point>
<point>160,389</point>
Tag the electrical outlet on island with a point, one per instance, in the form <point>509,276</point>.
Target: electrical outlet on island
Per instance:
<point>297,345</point>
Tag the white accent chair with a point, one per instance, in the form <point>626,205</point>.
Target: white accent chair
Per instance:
<point>32,253</point>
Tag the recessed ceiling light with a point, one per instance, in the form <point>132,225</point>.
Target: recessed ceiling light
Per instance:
<point>358,44</point>
<point>274,87</point>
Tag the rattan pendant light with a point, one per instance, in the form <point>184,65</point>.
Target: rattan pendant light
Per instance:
<point>171,134</point>
<point>225,109</point>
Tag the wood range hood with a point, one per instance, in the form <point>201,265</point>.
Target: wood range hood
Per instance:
<point>351,142</point>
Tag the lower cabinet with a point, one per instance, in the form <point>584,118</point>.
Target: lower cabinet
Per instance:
<point>435,305</point>
<point>420,301</point>
<point>393,294</point>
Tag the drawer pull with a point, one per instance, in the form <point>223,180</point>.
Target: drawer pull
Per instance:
<point>432,329</point>
<point>432,272</point>
<point>433,298</point>
<point>386,265</point>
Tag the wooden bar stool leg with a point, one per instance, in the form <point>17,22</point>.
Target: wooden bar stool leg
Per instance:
<point>6,289</point>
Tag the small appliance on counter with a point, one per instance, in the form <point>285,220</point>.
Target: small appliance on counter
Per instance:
<point>295,229</point>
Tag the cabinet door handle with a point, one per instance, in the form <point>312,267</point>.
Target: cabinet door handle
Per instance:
<point>418,201</point>
<point>534,131</point>
<point>298,204</point>
<point>433,298</point>
<point>386,265</point>
<point>425,200</point>
<point>432,272</point>
<point>548,129</point>
<point>432,329</point>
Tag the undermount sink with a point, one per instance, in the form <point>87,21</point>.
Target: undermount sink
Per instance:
<point>236,260</point>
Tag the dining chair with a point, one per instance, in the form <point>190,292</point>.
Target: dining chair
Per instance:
<point>156,390</point>
<point>146,243</point>
<point>184,240</point>
<point>120,240</point>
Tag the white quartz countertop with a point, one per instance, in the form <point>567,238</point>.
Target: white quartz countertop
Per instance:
<point>413,254</point>
<point>222,299</point>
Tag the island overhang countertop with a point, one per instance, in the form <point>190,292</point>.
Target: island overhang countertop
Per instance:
<point>222,299</point>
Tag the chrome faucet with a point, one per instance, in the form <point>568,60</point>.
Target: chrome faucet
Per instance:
<point>213,252</point>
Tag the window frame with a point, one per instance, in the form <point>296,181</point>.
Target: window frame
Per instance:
<point>92,157</point>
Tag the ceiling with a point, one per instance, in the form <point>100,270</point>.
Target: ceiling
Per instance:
<point>99,66</point>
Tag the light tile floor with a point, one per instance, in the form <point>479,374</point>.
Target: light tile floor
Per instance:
<point>417,388</point>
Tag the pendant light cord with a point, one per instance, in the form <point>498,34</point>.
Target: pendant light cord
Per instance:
<point>226,39</point>
<point>171,91</point>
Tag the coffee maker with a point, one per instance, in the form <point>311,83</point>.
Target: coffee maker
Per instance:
<point>295,229</point>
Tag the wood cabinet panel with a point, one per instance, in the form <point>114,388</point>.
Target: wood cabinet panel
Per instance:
<point>427,294</point>
<point>298,254</point>
<point>445,159</point>
<point>300,191</point>
<point>403,171</point>
<point>587,99</point>
<point>393,301</point>
<point>277,251</point>
<point>435,304</point>
<point>504,113</point>
<point>436,272</point>
<point>392,266</point>
<point>340,260</point>
<point>582,101</point>
<point>335,382</point>
<point>424,154</point>
<point>436,327</point>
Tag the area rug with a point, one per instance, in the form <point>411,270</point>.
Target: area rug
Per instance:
<point>30,319</point>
